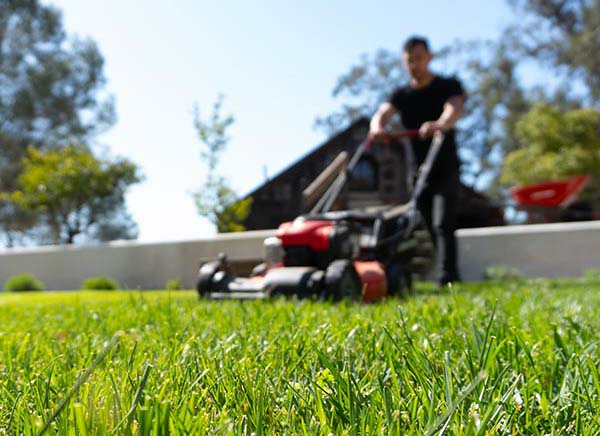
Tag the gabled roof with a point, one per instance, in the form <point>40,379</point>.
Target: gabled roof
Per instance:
<point>361,122</point>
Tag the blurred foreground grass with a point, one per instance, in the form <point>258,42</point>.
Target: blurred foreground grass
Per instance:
<point>492,358</point>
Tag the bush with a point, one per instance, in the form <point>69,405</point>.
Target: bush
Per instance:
<point>173,285</point>
<point>592,275</point>
<point>100,284</point>
<point>22,283</point>
<point>500,273</point>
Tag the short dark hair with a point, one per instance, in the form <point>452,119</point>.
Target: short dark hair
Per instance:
<point>414,41</point>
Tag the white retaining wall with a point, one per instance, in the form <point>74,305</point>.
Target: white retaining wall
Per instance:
<point>541,250</point>
<point>133,264</point>
<point>550,250</point>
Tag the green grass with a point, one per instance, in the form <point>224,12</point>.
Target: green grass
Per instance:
<point>518,358</point>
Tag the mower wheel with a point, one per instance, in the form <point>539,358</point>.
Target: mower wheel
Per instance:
<point>342,281</point>
<point>206,275</point>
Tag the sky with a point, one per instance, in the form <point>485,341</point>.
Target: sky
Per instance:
<point>276,62</point>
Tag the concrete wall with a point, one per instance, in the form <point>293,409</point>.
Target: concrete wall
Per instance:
<point>541,250</point>
<point>550,250</point>
<point>135,265</point>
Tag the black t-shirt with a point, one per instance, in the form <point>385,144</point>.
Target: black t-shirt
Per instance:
<point>417,105</point>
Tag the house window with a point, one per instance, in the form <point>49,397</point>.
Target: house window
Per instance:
<point>364,177</point>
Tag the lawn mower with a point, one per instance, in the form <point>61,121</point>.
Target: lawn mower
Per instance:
<point>334,255</point>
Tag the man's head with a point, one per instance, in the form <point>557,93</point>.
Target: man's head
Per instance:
<point>416,57</point>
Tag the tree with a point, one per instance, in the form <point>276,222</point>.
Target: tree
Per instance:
<point>496,99</point>
<point>555,144</point>
<point>51,93</point>
<point>51,85</point>
<point>73,192</point>
<point>563,35</point>
<point>363,88</point>
<point>216,200</point>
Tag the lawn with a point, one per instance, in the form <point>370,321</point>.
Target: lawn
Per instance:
<point>503,358</point>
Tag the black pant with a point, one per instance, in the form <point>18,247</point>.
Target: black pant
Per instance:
<point>438,204</point>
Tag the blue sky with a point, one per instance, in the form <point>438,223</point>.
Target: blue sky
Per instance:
<point>275,61</point>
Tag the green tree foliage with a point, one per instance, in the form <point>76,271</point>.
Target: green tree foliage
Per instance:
<point>216,200</point>
<point>73,192</point>
<point>554,144</point>
<point>51,94</point>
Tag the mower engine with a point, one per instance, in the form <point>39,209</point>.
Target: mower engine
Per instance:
<point>306,259</point>
<point>316,242</point>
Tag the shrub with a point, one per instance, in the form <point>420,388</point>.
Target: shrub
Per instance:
<point>23,282</point>
<point>99,284</point>
<point>501,273</point>
<point>173,285</point>
<point>592,275</point>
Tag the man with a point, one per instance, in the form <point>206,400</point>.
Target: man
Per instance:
<point>430,103</point>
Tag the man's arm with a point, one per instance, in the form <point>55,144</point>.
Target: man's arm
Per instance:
<point>453,109</point>
<point>381,118</point>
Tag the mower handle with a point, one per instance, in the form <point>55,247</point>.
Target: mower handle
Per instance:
<point>332,193</point>
<point>411,133</point>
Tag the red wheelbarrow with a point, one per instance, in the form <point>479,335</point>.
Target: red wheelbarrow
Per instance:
<point>555,200</point>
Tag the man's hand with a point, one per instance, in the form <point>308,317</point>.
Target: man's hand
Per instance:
<point>453,109</point>
<point>428,128</point>
<point>379,134</point>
